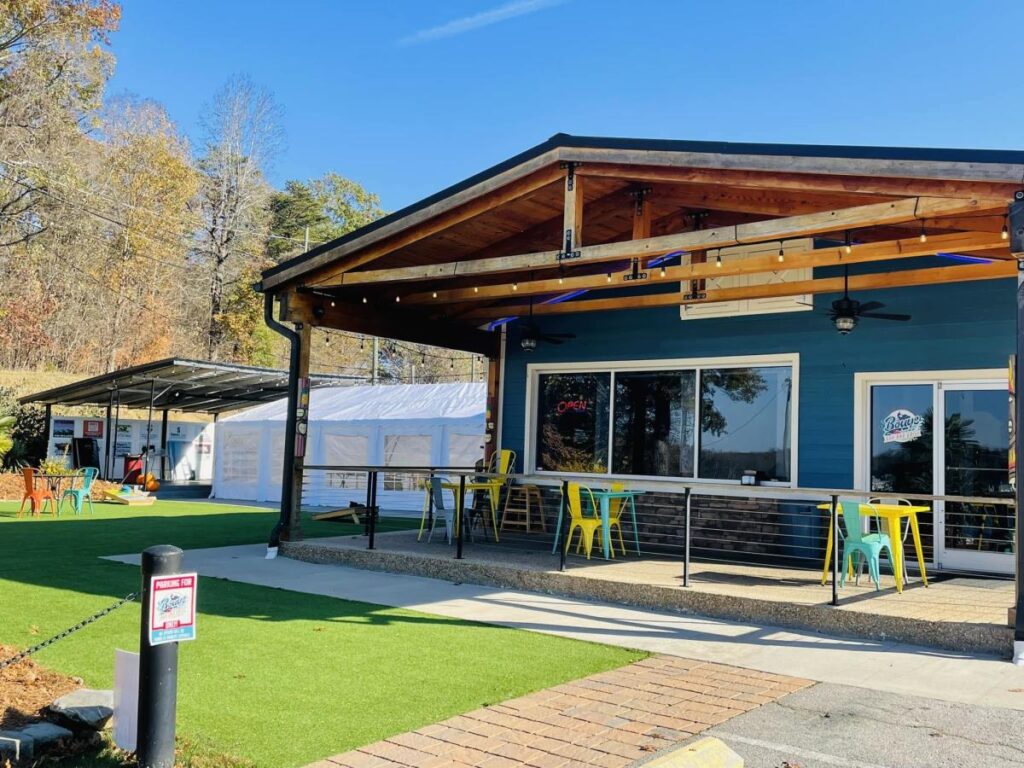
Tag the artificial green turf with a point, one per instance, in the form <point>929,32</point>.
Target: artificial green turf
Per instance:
<point>281,678</point>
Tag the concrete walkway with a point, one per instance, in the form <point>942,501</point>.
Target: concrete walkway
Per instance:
<point>878,666</point>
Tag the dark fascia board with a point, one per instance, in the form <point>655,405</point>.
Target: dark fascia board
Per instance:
<point>96,389</point>
<point>567,141</point>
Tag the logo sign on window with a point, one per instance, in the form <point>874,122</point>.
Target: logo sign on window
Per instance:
<point>172,608</point>
<point>571,406</point>
<point>901,426</point>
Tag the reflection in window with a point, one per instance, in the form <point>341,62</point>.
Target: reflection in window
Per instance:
<point>745,422</point>
<point>572,422</point>
<point>654,423</point>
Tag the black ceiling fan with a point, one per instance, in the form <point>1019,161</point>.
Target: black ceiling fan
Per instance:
<point>532,335</point>
<point>846,312</point>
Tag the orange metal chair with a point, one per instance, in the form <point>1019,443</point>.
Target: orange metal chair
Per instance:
<point>37,496</point>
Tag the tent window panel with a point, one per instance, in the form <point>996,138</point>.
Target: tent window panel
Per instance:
<point>405,451</point>
<point>276,457</point>
<point>241,459</point>
<point>465,450</point>
<point>346,450</point>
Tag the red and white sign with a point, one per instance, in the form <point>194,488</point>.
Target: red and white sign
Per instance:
<point>172,608</point>
<point>92,428</point>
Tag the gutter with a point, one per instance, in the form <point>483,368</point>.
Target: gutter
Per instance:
<point>288,477</point>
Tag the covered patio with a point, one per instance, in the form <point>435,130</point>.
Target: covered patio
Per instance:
<point>665,294</point>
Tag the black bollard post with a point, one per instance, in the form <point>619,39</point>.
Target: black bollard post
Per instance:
<point>158,670</point>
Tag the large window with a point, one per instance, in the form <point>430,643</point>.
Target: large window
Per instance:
<point>654,418</point>
<point>572,422</point>
<point>745,416</point>
<point>715,422</point>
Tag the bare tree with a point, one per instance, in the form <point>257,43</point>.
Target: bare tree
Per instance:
<point>242,135</point>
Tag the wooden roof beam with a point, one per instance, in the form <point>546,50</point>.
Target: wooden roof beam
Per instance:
<point>967,242</point>
<point>894,212</point>
<point>804,182</point>
<point>897,279</point>
<point>392,322</point>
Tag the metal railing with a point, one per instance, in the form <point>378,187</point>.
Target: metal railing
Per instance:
<point>707,522</point>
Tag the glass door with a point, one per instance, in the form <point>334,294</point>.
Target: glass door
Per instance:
<point>903,449</point>
<point>947,438</point>
<point>976,535</point>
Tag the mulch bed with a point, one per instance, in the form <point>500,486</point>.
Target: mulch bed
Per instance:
<point>26,688</point>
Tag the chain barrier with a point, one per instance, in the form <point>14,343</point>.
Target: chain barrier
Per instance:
<point>129,598</point>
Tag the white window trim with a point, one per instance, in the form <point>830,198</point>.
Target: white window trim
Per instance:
<point>533,370</point>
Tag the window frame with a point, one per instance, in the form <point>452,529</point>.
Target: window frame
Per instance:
<point>534,370</point>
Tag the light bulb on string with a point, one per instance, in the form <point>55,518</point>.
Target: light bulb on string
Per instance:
<point>609,277</point>
<point>398,299</point>
<point>847,247</point>
<point>663,273</point>
<point>333,304</point>
<point>782,253</point>
<point>718,259</point>
<point>924,235</point>
<point>434,295</point>
<point>1005,234</point>
<point>515,286</point>
<point>364,299</point>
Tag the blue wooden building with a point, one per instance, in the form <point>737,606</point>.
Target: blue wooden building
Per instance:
<point>676,314</point>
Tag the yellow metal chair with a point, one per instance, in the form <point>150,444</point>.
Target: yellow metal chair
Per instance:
<point>615,509</point>
<point>502,463</point>
<point>586,525</point>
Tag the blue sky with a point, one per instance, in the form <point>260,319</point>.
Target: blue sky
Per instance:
<point>407,97</point>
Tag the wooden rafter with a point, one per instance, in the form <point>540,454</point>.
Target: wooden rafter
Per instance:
<point>874,214</point>
<point>807,258</point>
<point>897,279</point>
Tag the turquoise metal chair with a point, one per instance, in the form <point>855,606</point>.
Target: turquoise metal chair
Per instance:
<point>868,546</point>
<point>79,496</point>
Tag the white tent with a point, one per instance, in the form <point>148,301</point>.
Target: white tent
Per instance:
<point>397,425</point>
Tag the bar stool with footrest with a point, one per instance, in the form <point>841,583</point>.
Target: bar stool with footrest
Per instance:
<point>521,503</point>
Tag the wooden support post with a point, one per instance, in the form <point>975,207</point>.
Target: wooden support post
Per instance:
<point>1015,224</point>
<point>572,217</point>
<point>293,532</point>
<point>641,213</point>
<point>492,415</point>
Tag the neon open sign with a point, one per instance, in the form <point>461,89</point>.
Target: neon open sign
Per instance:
<point>571,406</point>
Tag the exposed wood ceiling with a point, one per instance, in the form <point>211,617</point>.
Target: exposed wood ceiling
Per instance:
<point>478,259</point>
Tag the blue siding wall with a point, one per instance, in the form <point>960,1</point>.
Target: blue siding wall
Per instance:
<point>954,326</point>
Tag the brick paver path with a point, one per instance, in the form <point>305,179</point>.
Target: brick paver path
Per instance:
<point>610,719</point>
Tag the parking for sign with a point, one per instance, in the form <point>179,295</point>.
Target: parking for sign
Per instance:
<point>172,608</point>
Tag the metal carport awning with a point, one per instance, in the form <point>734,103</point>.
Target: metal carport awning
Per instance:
<point>191,386</point>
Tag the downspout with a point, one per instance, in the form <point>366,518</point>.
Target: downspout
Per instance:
<point>288,477</point>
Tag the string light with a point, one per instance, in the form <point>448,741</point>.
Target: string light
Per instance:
<point>609,277</point>
<point>718,259</point>
<point>782,252</point>
<point>333,304</point>
<point>398,299</point>
<point>560,280</point>
<point>364,299</point>
<point>924,235</point>
<point>663,273</point>
<point>847,247</point>
<point>434,294</point>
<point>1005,234</point>
<point>362,342</point>
<point>327,338</point>
<point>476,289</point>
<point>515,286</point>
<point>451,364</point>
